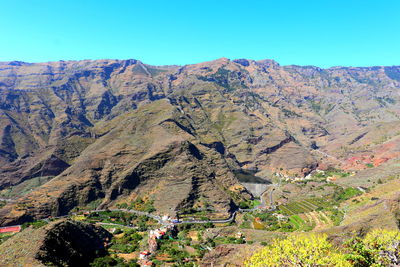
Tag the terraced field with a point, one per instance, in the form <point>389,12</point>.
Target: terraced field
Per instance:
<point>301,223</point>
<point>298,207</point>
<point>307,214</point>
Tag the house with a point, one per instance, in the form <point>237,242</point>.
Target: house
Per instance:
<point>331,178</point>
<point>144,254</point>
<point>239,235</point>
<point>10,229</point>
<point>158,233</point>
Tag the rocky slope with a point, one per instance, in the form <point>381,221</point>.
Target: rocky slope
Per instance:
<point>62,243</point>
<point>113,130</point>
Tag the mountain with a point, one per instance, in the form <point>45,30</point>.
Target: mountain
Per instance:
<point>106,132</point>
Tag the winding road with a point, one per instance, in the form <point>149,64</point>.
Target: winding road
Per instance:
<point>160,220</point>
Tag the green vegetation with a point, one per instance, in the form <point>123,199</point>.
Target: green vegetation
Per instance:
<point>139,204</point>
<point>341,194</point>
<point>35,224</point>
<point>175,250</point>
<point>139,70</point>
<point>301,225</point>
<point>129,242</point>
<point>155,71</point>
<point>113,261</point>
<point>224,120</point>
<point>202,214</point>
<point>270,222</point>
<point>230,80</point>
<point>120,217</point>
<point>302,250</point>
<point>290,113</point>
<point>24,187</point>
<point>378,248</point>
<point>298,207</point>
<point>316,106</point>
<point>369,165</point>
<point>124,241</point>
<point>194,226</point>
<point>4,237</point>
<point>175,253</point>
<point>92,205</point>
<point>228,240</point>
<point>325,210</point>
<point>335,215</point>
<point>249,204</point>
<point>331,172</point>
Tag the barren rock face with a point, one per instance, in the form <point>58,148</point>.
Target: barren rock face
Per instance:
<point>113,130</point>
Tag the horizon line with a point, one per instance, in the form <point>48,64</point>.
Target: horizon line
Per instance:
<point>187,64</point>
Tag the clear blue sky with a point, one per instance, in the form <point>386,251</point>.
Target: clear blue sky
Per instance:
<point>304,32</point>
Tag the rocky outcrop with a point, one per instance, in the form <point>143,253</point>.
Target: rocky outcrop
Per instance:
<point>71,243</point>
<point>61,243</point>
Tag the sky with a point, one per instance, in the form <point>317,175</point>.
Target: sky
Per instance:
<point>302,32</point>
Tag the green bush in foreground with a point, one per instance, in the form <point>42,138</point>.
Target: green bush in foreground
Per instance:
<point>301,250</point>
<point>377,248</point>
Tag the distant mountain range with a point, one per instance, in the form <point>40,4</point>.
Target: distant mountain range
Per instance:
<point>78,133</point>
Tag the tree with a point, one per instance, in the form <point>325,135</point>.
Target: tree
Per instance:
<point>378,248</point>
<point>298,250</point>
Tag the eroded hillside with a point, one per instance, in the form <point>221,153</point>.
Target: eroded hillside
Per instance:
<point>106,131</point>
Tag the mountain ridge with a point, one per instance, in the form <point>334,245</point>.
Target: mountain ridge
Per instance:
<point>19,62</point>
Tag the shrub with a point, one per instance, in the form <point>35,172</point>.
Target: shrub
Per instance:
<point>209,225</point>
<point>244,205</point>
<point>344,194</point>
<point>301,250</point>
<point>378,248</point>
